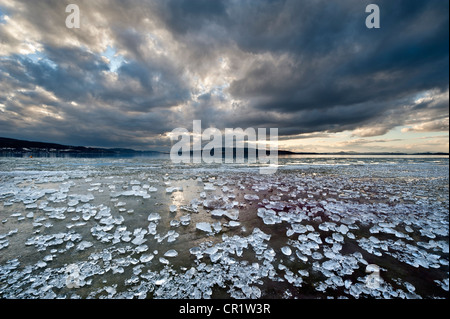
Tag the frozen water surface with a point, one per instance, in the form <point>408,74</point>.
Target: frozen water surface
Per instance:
<point>321,227</point>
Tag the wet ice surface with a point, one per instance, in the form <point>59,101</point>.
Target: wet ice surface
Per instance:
<point>145,228</point>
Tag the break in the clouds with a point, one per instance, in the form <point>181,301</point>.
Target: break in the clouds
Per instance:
<point>135,70</point>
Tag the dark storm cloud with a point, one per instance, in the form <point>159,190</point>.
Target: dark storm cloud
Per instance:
<point>183,16</point>
<point>338,62</point>
<point>300,66</point>
<point>76,75</point>
<point>160,86</point>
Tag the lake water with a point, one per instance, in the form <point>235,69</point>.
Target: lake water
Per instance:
<point>142,227</point>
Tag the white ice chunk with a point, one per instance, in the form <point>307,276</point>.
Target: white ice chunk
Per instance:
<point>209,187</point>
<point>286,250</point>
<point>172,236</point>
<point>338,237</point>
<point>171,253</point>
<point>206,227</point>
<point>173,208</point>
<point>174,223</point>
<point>343,229</point>
<point>251,197</point>
<point>233,223</point>
<point>217,226</point>
<point>185,219</point>
<point>141,248</point>
<point>269,216</point>
<point>218,212</point>
<point>84,244</point>
<point>195,251</point>
<point>410,287</point>
<point>152,228</point>
<point>153,217</point>
<point>146,258</point>
<point>173,189</point>
<point>232,214</point>
<point>216,256</point>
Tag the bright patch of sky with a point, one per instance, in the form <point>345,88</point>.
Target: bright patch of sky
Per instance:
<point>394,141</point>
<point>38,56</point>
<point>115,59</point>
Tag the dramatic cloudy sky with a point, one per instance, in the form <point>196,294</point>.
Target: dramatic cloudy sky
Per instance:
<point>136,70</point>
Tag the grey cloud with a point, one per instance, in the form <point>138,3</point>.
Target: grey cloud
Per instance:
<point>350,66</point>
<point>183,16</point>
<point>301,66</point>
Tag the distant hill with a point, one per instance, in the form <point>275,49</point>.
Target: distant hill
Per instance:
<point>9,145</point>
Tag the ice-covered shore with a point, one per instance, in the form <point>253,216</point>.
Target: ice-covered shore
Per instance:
<point>99,228</point>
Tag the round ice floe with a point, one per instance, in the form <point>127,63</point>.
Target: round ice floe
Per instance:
<point>409,229</point>
<point>348,220</point>
<point>286,250</point>
<point>343,229</point>
<point>351,235</point>
<point>146,258</point>
<point>171,253</point>
<point>338,237</point>
<point>141,248</point>
<point>316,255</point>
